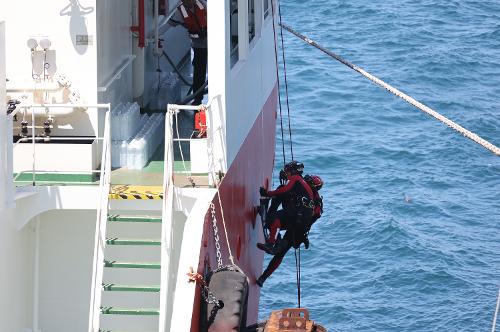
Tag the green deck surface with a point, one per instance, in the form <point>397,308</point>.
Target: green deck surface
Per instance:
<point>118,218</point>
<point>132,265</point>
<point>56,178</point>
<point>150,175</point>
<point>123,311</point>
<point>130,288</point>
<point>132,242</point>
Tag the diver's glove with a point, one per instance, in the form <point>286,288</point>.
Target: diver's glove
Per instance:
<point>283,175</point>
<point>306,241</point>
<point>263,192</point>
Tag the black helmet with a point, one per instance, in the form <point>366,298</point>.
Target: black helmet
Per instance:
<point>314,181</point>
<point>294,167</point>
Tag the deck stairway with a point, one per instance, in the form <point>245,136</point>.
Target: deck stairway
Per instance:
<point>131,276</point>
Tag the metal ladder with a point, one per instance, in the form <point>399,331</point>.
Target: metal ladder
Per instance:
<point>119,247</point>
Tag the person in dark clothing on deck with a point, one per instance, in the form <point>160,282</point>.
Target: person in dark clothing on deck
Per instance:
<point>192,14</point>
<point>297,201</point>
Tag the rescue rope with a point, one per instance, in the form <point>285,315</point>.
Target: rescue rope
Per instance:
<point>278,82</point>
<point>297,271</point>
<point>496,313</point>
<point>470,135</point>
<point>286,83</point>
<point>297,262</point>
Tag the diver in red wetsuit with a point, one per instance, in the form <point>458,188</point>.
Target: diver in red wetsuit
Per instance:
<point>297,200</point>
<point>316,183</point>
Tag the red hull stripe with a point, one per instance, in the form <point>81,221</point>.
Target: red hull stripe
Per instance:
<point>239,192</point>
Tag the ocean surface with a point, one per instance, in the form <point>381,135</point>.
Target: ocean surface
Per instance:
<point>410,236</point>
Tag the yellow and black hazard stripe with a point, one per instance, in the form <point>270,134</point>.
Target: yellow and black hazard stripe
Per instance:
<point>135,192</point>
<point>135,196</point>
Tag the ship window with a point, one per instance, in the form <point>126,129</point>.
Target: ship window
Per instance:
<point>266,8</point>
<point>251,19</point>
<point>233,23</point>
<point>258,17</point>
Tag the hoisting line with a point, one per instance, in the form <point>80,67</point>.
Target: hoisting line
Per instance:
<point>286,83</point>
<point>297,261</point>
<point>297,269</point>
<point>470,135</point>
<point>278,82</point>
<point>496,313</point>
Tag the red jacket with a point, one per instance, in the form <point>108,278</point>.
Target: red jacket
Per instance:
<point>196,22</point>
<point>318,205</point>
<point>295,185</point>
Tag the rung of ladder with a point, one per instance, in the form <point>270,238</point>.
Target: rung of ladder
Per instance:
<point>131,265</point>
<point>132,242</point>
<point>118,218</point>
<point>126,311</point>
<point>120,330</point>
<point>130,288</point>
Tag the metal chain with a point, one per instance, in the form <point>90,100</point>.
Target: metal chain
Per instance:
<point>209,297</point>
<point>216,237</point>
<point>205,291</point>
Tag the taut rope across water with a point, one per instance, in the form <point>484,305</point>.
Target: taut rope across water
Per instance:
<point>472,136</point>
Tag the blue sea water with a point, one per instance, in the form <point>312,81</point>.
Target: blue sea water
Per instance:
<point>410,237</point>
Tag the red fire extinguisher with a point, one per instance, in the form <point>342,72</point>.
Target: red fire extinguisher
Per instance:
<point>200,123</point>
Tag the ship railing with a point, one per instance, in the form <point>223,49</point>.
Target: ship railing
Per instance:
<point>100,232</point>
<point>167,219</point>
<point>33,138</point>
<point>169,192</point>
<point>207,151</point>
<point>168,209</point>
<point>103,202</point>
<point>6,161</point>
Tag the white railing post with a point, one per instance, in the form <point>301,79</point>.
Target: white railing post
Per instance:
<point>100,231</point>
<point>167,220</point>
<point>6,172</point>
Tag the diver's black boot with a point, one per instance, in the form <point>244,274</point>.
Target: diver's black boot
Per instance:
<point>267,247</point>
<point>306,242</point>
<point>260,281</point>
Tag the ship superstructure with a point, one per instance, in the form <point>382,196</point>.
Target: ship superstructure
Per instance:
<point>86,246</point>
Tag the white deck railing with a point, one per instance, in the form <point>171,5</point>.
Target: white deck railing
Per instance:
<point>168,213</point>
<point>34,138</point>
<point>6,178</point>
<point>100,232</point>
<point>167,220</point>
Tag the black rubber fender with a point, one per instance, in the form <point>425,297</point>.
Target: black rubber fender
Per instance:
<point>230,287</point>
